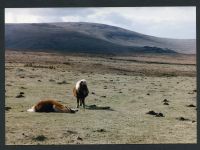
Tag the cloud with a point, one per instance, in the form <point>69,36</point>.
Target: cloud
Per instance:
<point>173,22</point>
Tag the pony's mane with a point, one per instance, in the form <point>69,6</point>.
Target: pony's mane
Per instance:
<point>78,83</point>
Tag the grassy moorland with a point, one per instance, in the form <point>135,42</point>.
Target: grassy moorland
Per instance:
<point>131,86</point>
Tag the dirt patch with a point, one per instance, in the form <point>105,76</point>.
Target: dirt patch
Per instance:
<point>151,112</point>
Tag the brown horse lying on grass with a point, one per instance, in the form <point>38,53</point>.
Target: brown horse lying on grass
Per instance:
<point>51,106</point>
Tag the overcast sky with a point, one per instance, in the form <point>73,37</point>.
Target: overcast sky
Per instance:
<point>171,22</point>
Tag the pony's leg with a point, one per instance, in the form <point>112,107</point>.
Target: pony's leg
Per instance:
<point>81,102</point>
<point>57,109</point>
<point>63,109</point>
<point>77,102</point>
<point>84,103</point>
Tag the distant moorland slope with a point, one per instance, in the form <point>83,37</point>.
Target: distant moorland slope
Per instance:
<point>89,38</point>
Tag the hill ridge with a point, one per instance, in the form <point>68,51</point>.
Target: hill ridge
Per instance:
<point>90,38</point>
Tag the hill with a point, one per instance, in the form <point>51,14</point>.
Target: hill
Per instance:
<point>89,38</point>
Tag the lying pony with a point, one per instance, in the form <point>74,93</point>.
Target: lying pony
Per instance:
<point>51,106</point>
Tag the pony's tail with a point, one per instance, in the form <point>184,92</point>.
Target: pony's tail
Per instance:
<point>32,109</point>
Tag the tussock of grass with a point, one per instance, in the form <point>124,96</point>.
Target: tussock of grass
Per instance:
<point>39,66</point>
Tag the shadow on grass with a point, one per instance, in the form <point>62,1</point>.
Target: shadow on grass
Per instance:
<point>39,138</point>
<point>95,107</point>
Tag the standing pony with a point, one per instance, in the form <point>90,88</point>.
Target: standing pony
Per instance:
<point>80,91</point>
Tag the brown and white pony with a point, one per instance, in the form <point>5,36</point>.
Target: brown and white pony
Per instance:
<point>50,106</point>
<point>80,91</point>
